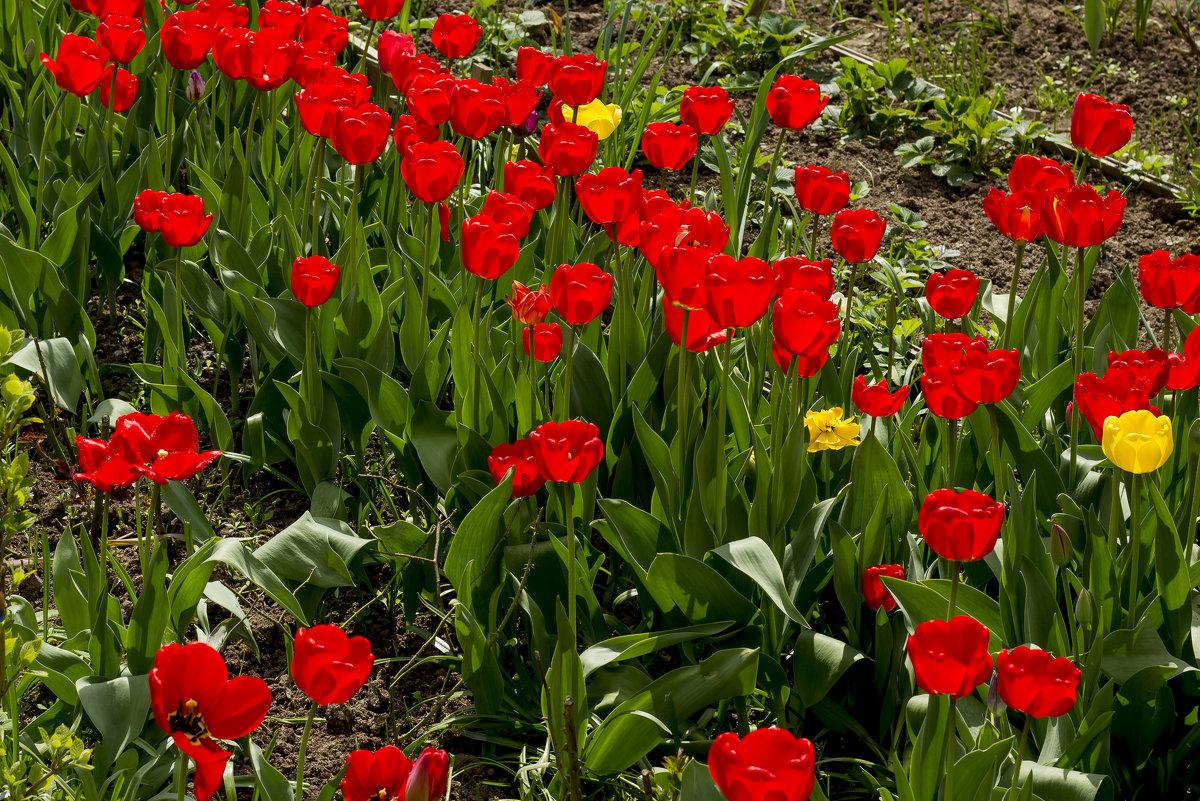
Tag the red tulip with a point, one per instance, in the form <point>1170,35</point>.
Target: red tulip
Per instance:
<point>122,37</point>
<point>112,8</point>
<point>322,25</point>
<point>81,65</point>
<point>162,448</point>
<point>231,52</point>
<point>186,38</point>
<point>489,248</point>
<point>804,365</point>
<point>530,183</point>
<point>456,36</point>
<point>707,109</point>
<point>148,210</point>
<point>387,775</point>
<point>1120,390</point>
<point>804,323</point>
<point>223,13</point>
<point>681,272</point>
<point>392,45</point>
<point>1018,216</point>
<point>429,96</point>
<point>1032,681</point>
<point>405,68</point>
<point>1039,174</point>
<point>313,59</point>
<point>946,350</point>
<point>183,222</point>
<point>285,17</point>
<point>798,272</point>
<point>478,109</point>
<point>1081,218</point>
<point>580,292</point>
<point>1170,284</point>
<point>409,131</point>
<point>988,376</point>
<point>518,457</point>
<point>877,595</point>
<point>504,208</point>
<point>703,332</point>
<point>520,99</point>
<point>568,149</point>
<point>1150,365</point>
<point>328,666</point>
<point>950,657</point>
<point>427,781</point>
<point>669,146</point>
<point>1098,126</point>
<point>765,765</point>
<point>103,465</point>
<point>577,80</point>
<point>534,66</point>
<point>942,395</point>
<point>857,233</point>
<point>820,190</point>
<point>272,57</point>
<point>127,87</point>
<point>738,291</point>
<point>318,105</point>
<point>960,526</point>
<point>794,102</point>
<point>196,702</point>
<point>610,195</point>
<point>380,10</point>
<point>314,279</point>
<point>567,452</point>
<point>361,132</point>
<point>1182,373</point>
<point>952,293</point>
<point>543,341</point>
<point>432,170</point>
<point>877,400</point>
<point>529,307</point>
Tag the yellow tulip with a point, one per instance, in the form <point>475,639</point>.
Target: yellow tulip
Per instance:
<point>599,117</point>
<point>1139,441</point>
<point>827,431</point>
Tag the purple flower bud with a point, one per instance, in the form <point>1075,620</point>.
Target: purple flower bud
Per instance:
<point>530,124</point>
<point>194,90</point>
<point>994,701</point>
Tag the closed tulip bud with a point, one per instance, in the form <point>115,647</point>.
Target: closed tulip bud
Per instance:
<point>1085,611</point>
<point>194,90</point>
<point>1061,549</point>
<point>994,701</point>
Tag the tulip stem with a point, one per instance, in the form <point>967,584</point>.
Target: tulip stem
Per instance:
<point>362,59</point>
<point>1135,547</point>
<point>951,736</point>
<point>955,570</point>
<point>568,370</point>
<point>247,217</point>
<point>624,293</point>
<point>35,235</point>
<point>695,172</point>
<point>311,375</point>
<point>425,280</point>
<point>181,771</point>
<point>308,724</point>
<point>812,237</point>
<point>997,461</point>
<point>722,411</point>
<point>170,165</point>
<point>680,406</point>
<point>844,342</point>
<point>770,180</point>
<point>1020,754</point>
<point>1012,296</point>
<point>479,369</point>
<point>568,518</point>
<point>313,201</point>
<point>1080,297</point>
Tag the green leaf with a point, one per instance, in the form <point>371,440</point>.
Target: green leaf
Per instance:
<point>698,784</point>
<point>151,613</point>
<point>64,378</point>
<point>303,551</point>
<point>820,661</point>
<point>633,532</point>
<point>631,646</point>
<point>754,557</point>
<point>273,784</point>
<point>698,592</point>
<point>118,708</point>
<point>930,599</point>
<point>476,545</point>
<point>1127,651</point>
<point>235,554</point>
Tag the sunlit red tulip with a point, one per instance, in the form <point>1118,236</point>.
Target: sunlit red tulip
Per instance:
<point>946,350</point>
<point>952,294</point>
<point>986,375</point>
<point>1170,283</point>
<point>322,25</point>
<point>1081,217</point>
<point>577,80</point>
<point>272,57</point>
<point>223,13</point>
<point>103,9</point>
<point>361,133</point>
<point>313,59</point>
<point>610,195</point>
<point>286,17</point>
<point>518,457</point>
<point>127,87</point>
<point>1018,216</point>
<point>405,68</point>
<point>534,66</point>
<point>183,222</point>
<point>388,775</point>
<point>794,102</point>
<point>455,36</point>
<point>380,10</point>
<point>104,465</point>
<point>318,105</point>
<point>804,323</point>
<point>489,248</point>
<point>877,595</point>
<point>766,765</point>
<point>122,37</point>
<point>409,131</point>
<point>960,526</point>
<point>430,773</point>
<point>580,292</point>
<point>187,37</point>
<point>163,448</point>
<point>567,452</point>
<point>568,149</point>
<point>328,666</point>
<point>506,209</point>
<point>1039,174</point>
<point>231,52</point>
<point>706,108</point>
<point>681,272</point>
<point>530,183</point>
<point>877,400</point>
<point>950,657</point>
<point>1149,365</point>
<point>429,96</point>
<point>1034,682</point>
<point>1098,126</point>
<point>703,332</point>
<point>738,291</point>
<point>857,233</point>
<point>432,170</point>
<point>669,146</point>
<point>196,702</point>
<point>148,210</point>
<point>1120,390</point>
<point>543,341</point>
<point>80,66</point>
<point>942,396</point>
<point>804,365</point>
<point>313,279</point>
<point>820,190</point>
<point>478,109</point>
<point>520,99</point>
<point>798,272</point>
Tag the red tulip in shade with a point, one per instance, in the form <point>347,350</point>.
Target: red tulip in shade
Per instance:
<point>877,595</point>
<point>148,208</point>
<point>489,248</point>
<point>794,102</point>
<point>392,45</point>
<point>322,25</point>
<point>328,666</point>
<point>112,8</point>
<point>1018,216</point>
<point>567,148</point>
<point>703,332</point>
<point>455,36</point>
<point>127,86</point>
<point>530,183</point>
<point>313,280</point>
<point>1080,217</point>
<point>798,272</point>
<point>766,765</point>
<point>286,17</point>
<point>361,132</point>
<point>669,146</point>
<point>183,222</point>
<point>409,131</point>
<point>1033,173</point>
<point>432,170</point>
<point>567,452</point>
<point>80,66</point>
<point>950,657</point>
<point>1183,366</point>
<point>529,307</point>
<point>877,400</point>
<point>518,457</point>
<point>803,323</point>
<point>1098,126</point>
<point>942,396</point>
<point>543,341</point>
<point>1168,283</point>
<point>504,208</point>
<point>196,702</point>
<point>1032,681</point>
<point>1149,365</point>
<point>578,80</point>
<point>580,292</point>
<point>856,234</point>
<point>388,775</point>
<point>380,10</point>
<point>534,66</point>
<point>123,37</point>
<point>960,526</point>
<point>707,109</point>
<point>610,195</point>
<point>186,38</point>
<point>820,190</point>
<point>738,291</point>
<point>952,293</point>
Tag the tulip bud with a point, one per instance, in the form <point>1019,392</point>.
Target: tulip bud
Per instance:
<point>1070,412</point>
<point>1061,549</point>
<point>530,124</point>
<point>1084,608</point>
<point>194,90</point>
<point>994,701</point>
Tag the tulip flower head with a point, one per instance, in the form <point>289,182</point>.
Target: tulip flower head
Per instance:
<point>567,452</point>
<point>314,279</point>
<point>80,65</point>
<point>1098,126</point>
<point>828,431</point>
<point>534,66</point>
<point>1139,441</point>
<point>610,195</point>
<point>703,332</point>
<point>738,291</point>
<point>126,90</point>
<point>529,307</point>
<point>388,775</point>
<point>1032,681</point>
<point>432,170</point>
<point>183,222</point>
<point>1120,390</point>
<point>820,190</point>
<point>794,102</point>
<point>542,341</point>
<point>1168,283</point>
<point>186,38</point>
<point>1081,217</point>
<point>328,666</point>
<point>766,765</point>
<point>857,234</point>
<point>1018,216</point>
<point>950,657</point>
<point>669,146</point>
<point>530,183</point>
<point>568,149</point>
<point>1037,174</point>
<point>580,292</point>
<point>952,294</point>
<point>455,36</point>
<point>875,594</point>
<point>520,458</point>
<point>960,526</point>
<point>876,400</point>
<point>707,109</point>
<point>489,248</point>
<point>578,80</point>
<point>380,10</point>
<point>797,272</point>
<point>598,117</point>
<point>123,37</point>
